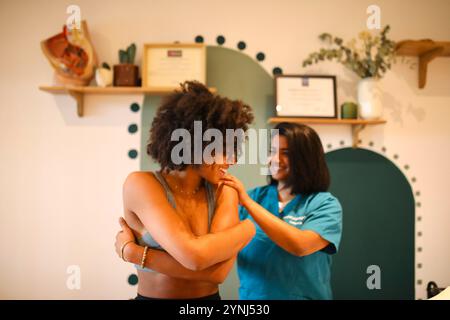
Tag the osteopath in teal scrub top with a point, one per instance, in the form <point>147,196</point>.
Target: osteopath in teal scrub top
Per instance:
<point>267,271</point>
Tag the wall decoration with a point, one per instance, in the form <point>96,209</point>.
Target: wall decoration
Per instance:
<point>370,62</point>
<point>104,75</point>
<point>168,65</point>
<point>71,55</point>
<point>349,110</point>
<point>307,96</point>
<point>126,74</point>
<point>356,174</point>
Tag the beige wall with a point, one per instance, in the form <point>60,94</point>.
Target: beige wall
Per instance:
<point>61,176</point>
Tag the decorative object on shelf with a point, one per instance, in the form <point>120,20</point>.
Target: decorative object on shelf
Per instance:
<point>369,99</point>
<point>426,50</point>
<point>168,65</point>
<point>126,74</point>
<point>370,63</point>
<point>349,110</point>
<point>71,55</point>
<point>306,96</point>
<point>104,75</point>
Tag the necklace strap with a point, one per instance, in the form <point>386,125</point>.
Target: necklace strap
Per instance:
<point>189,194</point>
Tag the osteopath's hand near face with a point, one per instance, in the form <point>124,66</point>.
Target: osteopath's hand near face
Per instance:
<point>236,184</point>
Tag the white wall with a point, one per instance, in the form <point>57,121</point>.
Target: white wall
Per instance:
<point>61,176</point>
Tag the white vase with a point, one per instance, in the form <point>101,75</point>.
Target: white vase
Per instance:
<point>103,77</point>
<point>369,99</point>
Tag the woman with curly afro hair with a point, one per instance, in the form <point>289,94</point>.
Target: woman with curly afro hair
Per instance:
<point>181,227</point>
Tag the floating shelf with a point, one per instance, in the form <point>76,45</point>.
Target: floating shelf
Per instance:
<point>426,50</point>
<point>357,124</point>
<point>78,92</point>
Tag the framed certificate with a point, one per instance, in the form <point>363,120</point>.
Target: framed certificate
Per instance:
<point>168,65</point>
<point>306,96</point>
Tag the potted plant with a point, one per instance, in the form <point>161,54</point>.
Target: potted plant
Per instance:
<point>370,62</point>
<point>126,73</point>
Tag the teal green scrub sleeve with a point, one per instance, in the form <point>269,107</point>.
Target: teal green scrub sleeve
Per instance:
<point>325,220</point>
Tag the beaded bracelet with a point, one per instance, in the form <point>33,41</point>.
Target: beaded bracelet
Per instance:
<point>143,257</point>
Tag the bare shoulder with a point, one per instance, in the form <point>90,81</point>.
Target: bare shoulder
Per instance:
<point>226,193</point>
<point>140,178</point>
<point>142,185</point>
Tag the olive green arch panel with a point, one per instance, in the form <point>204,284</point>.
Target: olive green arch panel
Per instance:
<point>378,226</point>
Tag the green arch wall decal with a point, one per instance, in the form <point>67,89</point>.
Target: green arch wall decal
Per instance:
<point>239,76</point>
<point>378,225</point>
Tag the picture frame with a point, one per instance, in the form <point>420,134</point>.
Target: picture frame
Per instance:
<point>166,65</point>
<point>306,96</point>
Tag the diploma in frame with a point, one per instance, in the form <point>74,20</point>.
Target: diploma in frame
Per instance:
<point>165,66</point>
<point>306,96</point>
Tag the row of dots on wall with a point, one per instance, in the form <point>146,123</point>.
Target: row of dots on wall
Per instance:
<point>132,129</point>
<point>241,45</point>
<point>132,154</point>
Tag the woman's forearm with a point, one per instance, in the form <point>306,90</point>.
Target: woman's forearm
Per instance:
<point>213,248</point>
<point>295,241</point>
<point>162,262</point>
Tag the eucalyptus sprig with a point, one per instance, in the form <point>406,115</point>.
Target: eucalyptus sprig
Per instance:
<point>372,59</point>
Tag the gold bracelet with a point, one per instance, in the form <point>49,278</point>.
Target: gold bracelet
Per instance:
<point>143,257</point>
<point>122,249</point>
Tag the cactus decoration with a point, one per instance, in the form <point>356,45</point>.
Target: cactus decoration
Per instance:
<point>126,73</point>
<point>128,55</point>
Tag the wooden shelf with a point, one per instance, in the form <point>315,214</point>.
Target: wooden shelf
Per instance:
<point>357,124</point>
<point>324,120</point>
<point>78,92</point>
<point>426,50</point>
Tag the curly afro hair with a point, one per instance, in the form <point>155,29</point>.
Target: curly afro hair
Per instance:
<point>193,102</point>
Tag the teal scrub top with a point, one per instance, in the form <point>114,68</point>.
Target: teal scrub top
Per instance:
<point>267,271</point>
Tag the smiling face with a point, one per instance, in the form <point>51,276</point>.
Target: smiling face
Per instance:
<point>215,171</point>
<point>279,158</point>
